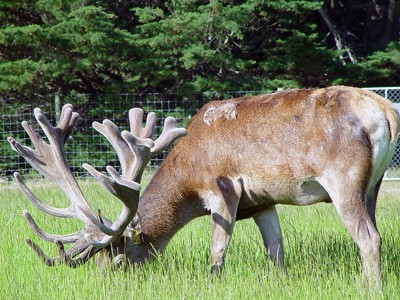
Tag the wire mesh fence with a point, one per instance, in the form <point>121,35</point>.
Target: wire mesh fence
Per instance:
<point>91,147</point>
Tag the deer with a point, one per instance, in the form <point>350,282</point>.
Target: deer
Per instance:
<point>237,159</point>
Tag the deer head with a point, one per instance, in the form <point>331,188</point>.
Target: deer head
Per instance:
<point>134,149</point>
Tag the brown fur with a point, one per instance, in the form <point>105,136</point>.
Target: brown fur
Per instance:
<point>292,147</point>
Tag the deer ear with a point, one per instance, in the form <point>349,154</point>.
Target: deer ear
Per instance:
<point>134,230</point>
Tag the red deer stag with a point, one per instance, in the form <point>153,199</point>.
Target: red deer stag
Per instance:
<point>239,158</point>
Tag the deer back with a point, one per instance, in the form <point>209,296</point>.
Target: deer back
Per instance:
<point>276,145</point>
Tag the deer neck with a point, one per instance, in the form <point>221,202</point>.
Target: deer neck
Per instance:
<point>165,207</point>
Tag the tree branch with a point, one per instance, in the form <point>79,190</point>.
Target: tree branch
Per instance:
<point>338,39</point>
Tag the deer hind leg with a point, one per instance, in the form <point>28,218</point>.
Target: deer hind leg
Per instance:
<point>371,199</point>
<point>223,206</point>
<point>268,223</point>
<point>360,223</point>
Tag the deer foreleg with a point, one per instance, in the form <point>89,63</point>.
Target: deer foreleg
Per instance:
<point>223,206</point>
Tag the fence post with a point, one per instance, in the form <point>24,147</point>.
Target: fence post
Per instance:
<point>57,104</point>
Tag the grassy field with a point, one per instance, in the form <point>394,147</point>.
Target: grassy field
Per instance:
<point>321,259</point>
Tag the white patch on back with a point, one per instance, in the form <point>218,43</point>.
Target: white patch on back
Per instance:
<point>227,111</point>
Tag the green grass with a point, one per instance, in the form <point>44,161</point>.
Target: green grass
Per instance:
<point>321,259</point>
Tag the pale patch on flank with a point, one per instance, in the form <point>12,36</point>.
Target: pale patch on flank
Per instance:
<point>227,111</point>
<point>209,198</point>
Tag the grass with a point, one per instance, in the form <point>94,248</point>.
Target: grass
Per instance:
<point>321,259</point>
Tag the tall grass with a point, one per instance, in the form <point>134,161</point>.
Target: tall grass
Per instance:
<point>321,259</point>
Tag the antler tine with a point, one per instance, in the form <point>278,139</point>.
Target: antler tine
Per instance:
<point>68,126</point>
<point>58,135</point>
<point>66,238</point>
<point>169,134</point>
<point>57,212</point>
<point>82,249</point>
<point>48,261</point>
<point>127,152</point>
<point>136,123</point>
<point>85,251</point>
<point>48,159</point>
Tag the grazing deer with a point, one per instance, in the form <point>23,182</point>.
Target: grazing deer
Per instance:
<point>239,158</point>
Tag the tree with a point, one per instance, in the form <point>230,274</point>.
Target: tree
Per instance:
<point>368,33</point>
<point>231,45</point>
<point>61,46</point>
<point>381,68</point>
<point>105,46</point>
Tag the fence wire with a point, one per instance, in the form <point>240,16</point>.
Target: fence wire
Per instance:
<point>91,147</point>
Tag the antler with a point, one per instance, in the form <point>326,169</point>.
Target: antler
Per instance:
<point>134,150</point>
